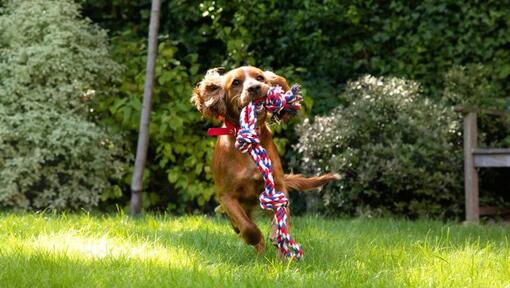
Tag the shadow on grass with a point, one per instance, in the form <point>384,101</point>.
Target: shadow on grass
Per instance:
<point>213,242</point>
<point>324,241</point>
<point>54,270</point>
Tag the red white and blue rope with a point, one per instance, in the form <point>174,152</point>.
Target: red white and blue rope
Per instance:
<point>248,141</point>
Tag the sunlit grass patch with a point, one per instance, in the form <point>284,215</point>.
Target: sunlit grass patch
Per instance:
<point>80,250</point>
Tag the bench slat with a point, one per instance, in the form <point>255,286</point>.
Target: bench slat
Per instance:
<point>491,151</point>
<point>492,160</point>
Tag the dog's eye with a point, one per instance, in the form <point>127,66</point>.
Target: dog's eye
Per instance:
<point>260,78</point>
<point>236,82</point>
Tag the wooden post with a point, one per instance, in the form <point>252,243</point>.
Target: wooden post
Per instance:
<point>470,172</point>
<point>143,135</point>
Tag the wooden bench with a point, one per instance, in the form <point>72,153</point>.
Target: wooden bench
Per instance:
<point>474,158</point>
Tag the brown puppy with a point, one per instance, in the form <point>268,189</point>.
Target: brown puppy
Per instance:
<point>238,181</point>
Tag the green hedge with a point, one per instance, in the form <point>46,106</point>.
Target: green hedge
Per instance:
<point>177,177</point>
<point>53,64</point>
<point>328,43</point>
<point>321,44</point>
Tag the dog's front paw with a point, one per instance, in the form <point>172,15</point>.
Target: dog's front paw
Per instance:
<point>260,247</point>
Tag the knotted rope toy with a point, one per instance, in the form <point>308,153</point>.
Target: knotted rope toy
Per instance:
<point>247,141</point>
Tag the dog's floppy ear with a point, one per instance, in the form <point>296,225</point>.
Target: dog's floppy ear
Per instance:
<point>209,94</point>
<point>276,80</point>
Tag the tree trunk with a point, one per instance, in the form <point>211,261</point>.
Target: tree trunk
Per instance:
<point>143,135</point>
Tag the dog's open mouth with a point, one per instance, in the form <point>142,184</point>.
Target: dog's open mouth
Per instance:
<point>245,100</point>
<point>243,104</point>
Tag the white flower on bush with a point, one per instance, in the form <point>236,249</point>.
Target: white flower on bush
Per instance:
<point>392,147</point>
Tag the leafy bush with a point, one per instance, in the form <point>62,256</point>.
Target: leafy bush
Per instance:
<point>320,44</point>
<point>331,42</point>
<point>328,43</point>
<point>52,65</point>
<point>396,151</point>
<point>177,172</point>
<point>474,85</point>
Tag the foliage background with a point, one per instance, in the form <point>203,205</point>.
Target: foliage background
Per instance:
<point>52,154</point>
<point>396,151</point>
<point>321,44</point>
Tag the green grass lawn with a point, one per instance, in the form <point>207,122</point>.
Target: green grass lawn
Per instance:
<point>41,250</point>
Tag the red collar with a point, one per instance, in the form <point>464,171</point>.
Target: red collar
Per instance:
<point>231,129</point>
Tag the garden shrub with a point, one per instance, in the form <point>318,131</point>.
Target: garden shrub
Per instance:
<point>473,86</point>
<point>330,42</point>
<point>321,44</point>
<point>53,65</point>
<point>396,151</point>
<point>177,176</point>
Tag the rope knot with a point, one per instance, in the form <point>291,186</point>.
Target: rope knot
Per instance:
<point>273,201</point>
<point>278,100</point>
<point>275,101</point>
<point>246,138</point>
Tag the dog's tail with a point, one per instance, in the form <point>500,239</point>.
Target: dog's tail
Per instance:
<point>298,182</point>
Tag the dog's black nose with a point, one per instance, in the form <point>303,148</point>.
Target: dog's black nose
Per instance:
<point>254,88</point>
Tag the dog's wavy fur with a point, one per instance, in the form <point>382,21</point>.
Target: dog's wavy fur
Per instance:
<point>237,180</point>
